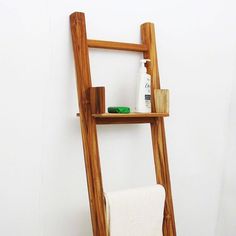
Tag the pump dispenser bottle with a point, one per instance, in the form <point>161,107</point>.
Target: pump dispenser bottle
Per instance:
<point>143,100</point>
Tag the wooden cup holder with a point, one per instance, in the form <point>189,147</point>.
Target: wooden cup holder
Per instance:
<point>161,97</point>
<point>97,100</point>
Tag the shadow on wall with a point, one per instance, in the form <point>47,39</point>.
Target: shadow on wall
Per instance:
<point>226,218</point>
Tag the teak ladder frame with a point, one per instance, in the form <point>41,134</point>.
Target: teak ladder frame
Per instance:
<point>89,120</point>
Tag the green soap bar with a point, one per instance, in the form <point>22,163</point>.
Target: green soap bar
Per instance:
<point>118,109</point>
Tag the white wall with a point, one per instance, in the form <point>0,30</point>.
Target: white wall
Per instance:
<point>227,208</point>
<point>43,184</point>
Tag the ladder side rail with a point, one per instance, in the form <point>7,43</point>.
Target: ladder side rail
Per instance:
<point>88,124</point>
<point>158,131</point>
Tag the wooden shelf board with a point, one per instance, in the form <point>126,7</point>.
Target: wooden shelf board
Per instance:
<point>129,115</point>
<point>130,118</point>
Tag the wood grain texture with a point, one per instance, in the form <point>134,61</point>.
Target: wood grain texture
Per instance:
<point>117,45</point>
<point>97,100</point>
<point>88,124</point>
<point>161,97</point>
<point>89,121</point>
<point>158,130</point>
<point>131,118</point>
<point>124,120</point>
<point>129,115</point>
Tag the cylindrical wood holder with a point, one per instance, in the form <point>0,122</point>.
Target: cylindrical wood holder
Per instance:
<point>161,97</point>
<point>97,99</point>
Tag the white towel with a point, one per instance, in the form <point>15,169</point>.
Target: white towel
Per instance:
<point>135,212</point>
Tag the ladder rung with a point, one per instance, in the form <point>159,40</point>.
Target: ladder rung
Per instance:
<point>117,45</point>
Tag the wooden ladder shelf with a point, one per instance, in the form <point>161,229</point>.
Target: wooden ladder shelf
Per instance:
<point>89,120</point>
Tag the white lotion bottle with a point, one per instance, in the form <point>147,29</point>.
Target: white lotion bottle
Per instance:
<point>143,100</point>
